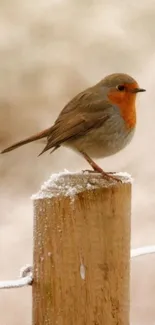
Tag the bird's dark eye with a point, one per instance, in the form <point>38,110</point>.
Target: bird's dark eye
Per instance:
<point>120,87</point>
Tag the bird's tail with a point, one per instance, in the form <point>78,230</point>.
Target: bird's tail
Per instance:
<point>34,137</point>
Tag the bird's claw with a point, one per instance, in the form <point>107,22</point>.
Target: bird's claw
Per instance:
<point>108,176</point>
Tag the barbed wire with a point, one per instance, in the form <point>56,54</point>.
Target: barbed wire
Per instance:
<point>26,272</point>
<point>135,252</point>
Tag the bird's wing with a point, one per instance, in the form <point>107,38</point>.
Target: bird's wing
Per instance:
<point>77,118</point>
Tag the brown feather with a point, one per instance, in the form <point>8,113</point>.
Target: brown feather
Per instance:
<point>85,112</point>
<point>35,137</point>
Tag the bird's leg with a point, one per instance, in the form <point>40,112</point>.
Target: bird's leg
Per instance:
<point>98,169</point>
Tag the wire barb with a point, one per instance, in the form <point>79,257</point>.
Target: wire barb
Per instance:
<point>26,278</point>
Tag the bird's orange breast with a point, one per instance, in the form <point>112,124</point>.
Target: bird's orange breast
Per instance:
<point>126,103</point>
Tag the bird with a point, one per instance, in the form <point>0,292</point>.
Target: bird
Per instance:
<point>97,123</point>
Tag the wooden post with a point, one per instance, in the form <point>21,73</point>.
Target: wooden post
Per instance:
<point>82,251</point>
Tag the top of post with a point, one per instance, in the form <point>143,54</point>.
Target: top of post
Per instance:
<point>71,183</point>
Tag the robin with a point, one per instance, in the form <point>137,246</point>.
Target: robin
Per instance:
<point>98,122</point>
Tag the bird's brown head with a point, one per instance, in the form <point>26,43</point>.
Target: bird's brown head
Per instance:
<point>121,90</point>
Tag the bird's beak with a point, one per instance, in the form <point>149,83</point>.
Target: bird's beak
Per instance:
<point>137,90</point>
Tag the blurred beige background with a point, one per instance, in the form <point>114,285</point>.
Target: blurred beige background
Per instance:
<point>50,50</point>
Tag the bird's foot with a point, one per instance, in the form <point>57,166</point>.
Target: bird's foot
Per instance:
<point>108,176</point>
<point>105,175</point>
<point>98,169</point>
<point>88,171</point>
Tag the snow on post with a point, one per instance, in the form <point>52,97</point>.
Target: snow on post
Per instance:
<point>82,250</point>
